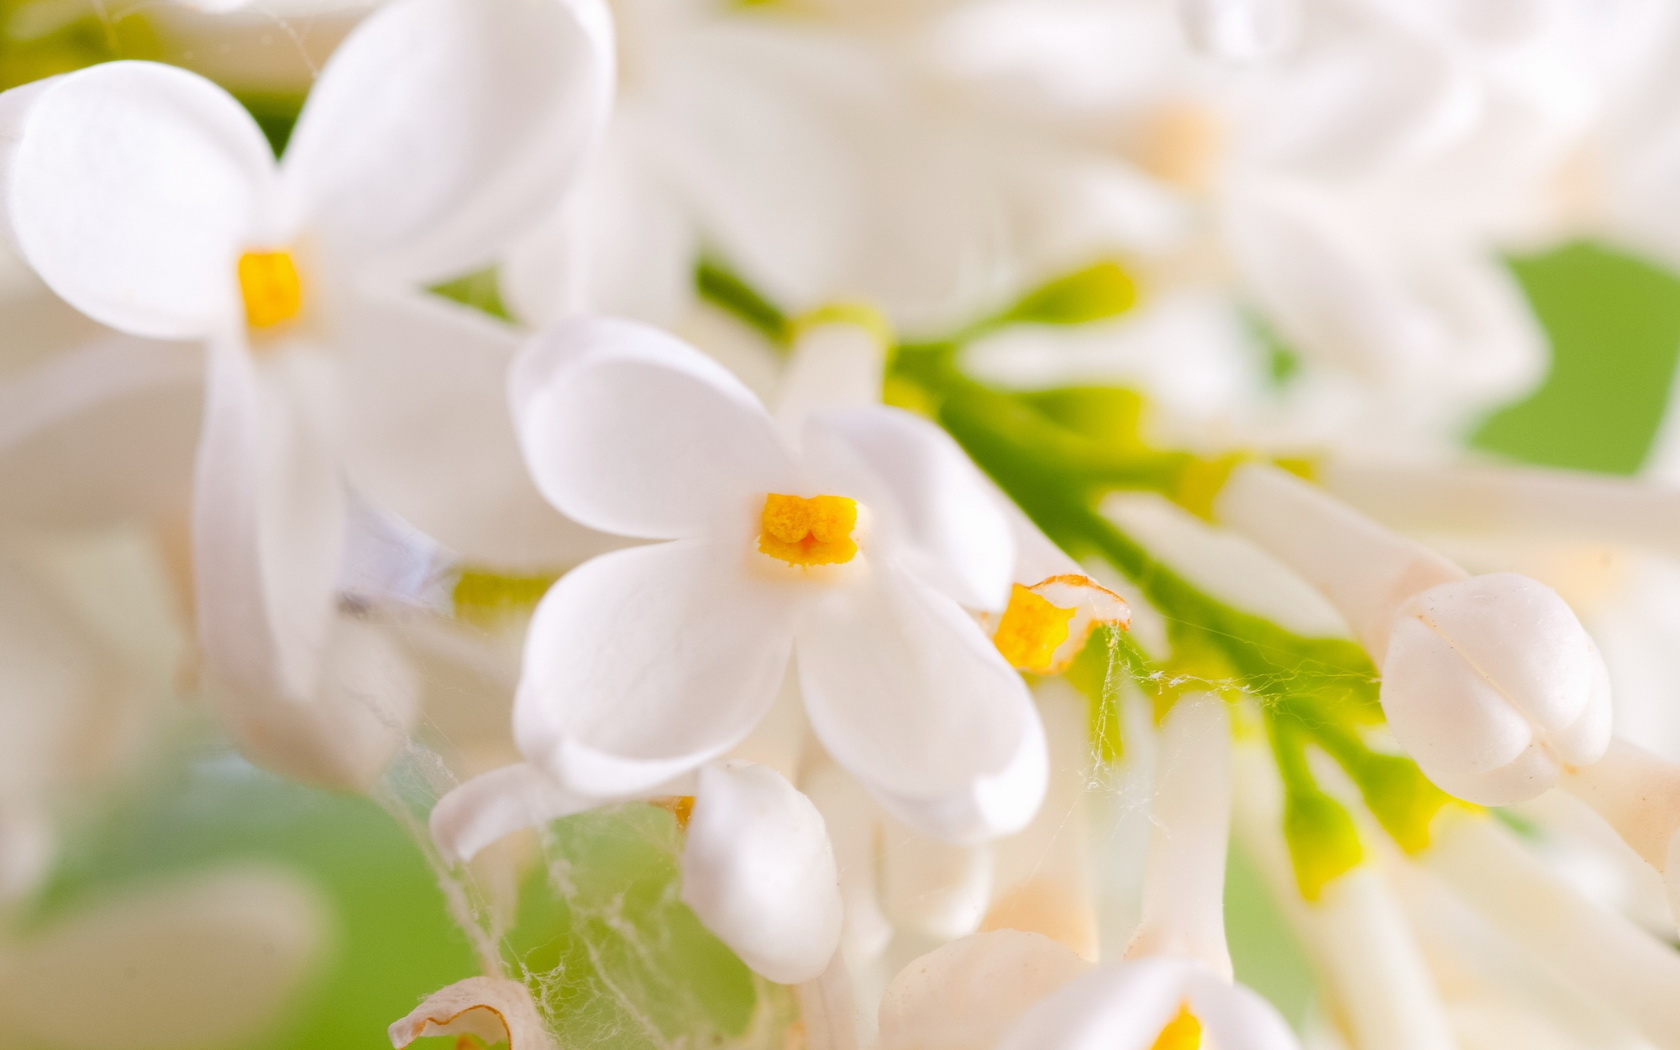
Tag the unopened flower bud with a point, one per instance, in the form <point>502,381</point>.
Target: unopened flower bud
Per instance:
<point>1493,686</point>
<point>1489,682</point>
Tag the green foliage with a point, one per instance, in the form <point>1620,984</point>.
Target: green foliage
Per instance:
<point>276,113</point>
<point>1613,322</point>
<point>481,290</point>
<point>42,38</point>
<point>1323,843</point>
<point>720,286</point>
<point>1265,951</point>
<point>617,959</point>
<point>1099,291</point>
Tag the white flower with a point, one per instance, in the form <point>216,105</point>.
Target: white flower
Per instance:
<point>757,865</point>
<point>1592,952</point>
<point>966,994</point>
<point>148,199</point>
<point>1009,990</point>
<point>979,993</point>
<point>86,642</point>
<point>858,544</point>
<point>1489,682</point>
<point>1151,1004</point>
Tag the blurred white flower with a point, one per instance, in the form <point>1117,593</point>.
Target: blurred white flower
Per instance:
<point>201,963</point>
<point>85,666</point>
<point>323,357</point>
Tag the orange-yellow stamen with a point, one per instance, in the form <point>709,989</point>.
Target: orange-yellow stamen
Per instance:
<point>814,531</point>
<point>271,288</point>
<point>1183,1032</point>
<point>1031,630</point>
<point>679,806</point>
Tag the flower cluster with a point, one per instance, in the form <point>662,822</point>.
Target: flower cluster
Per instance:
<point>953,472</point>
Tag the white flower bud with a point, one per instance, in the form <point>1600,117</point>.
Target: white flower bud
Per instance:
<point>1493,686</point>
<point>1489,682</point>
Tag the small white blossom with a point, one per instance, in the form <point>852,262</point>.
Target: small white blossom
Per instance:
<point>858,544</point>
<point>148,198</point>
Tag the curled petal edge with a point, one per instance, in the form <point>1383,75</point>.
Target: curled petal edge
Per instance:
<point>494,1009</point>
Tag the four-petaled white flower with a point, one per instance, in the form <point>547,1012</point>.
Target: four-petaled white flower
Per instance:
<point>149,199</point>
<point>851,548</point>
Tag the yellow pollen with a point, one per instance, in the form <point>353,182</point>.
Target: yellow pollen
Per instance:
<point>1183,1032</point>
<point>679,806</point>
<point>1031,630</point>
<point>815,531</point>
<point>269,282</point>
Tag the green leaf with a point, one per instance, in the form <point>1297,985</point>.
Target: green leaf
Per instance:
<point>1095,293</point>
<point>1613,321</point>
<point>481,290</point>
<point>1265,951</point>
<point>618,960</point>
<point>724,289</point>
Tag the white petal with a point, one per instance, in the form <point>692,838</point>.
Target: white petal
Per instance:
<point>1602,955</point>
<point>1241,30</point>
<point>131,187</point>
<point>1234,1017</point>
<point>431,437</point>
<point>1115,1008</point>
<point>268,524</point>
<point>759,872</point>
<point>941,507</point>
<point>967,994</point>
<point>854,822</point>
<point>345,728</point>
<point>622,245</point>
<point>909,696</point>
<point>196,965</point>
<point>28,848</point>
<point>645,663</point>
<point>493,1009</point>
<point>1364,570</point>
<point>932,887</point>
<point>787,217</point>
<point>1190,823</point>
<point>496,804</point>
<point>440,128</point>
<point>1478,498</point>
<point>101,434</point>
<point>836,366</point>
<point>629,430</point>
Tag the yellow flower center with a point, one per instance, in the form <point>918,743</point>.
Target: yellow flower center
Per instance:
<point>271,288</point>
<point>1183,1032</point>
<point>1031,630</point>
<point>814,531</point>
